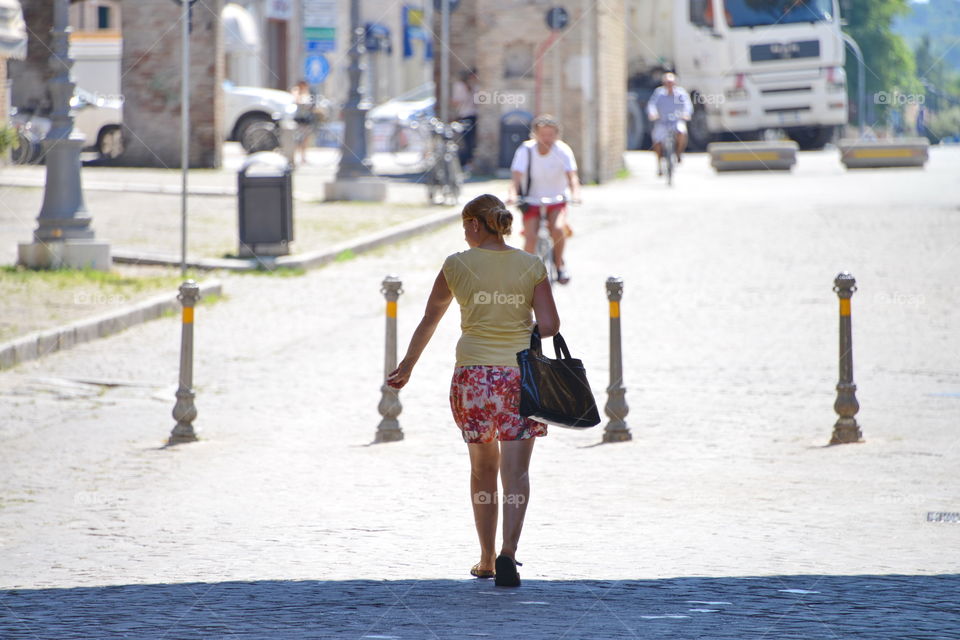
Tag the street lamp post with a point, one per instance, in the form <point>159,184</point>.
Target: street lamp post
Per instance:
<point>64,237</point>
<point>354,162</point>
<point>355,179</point>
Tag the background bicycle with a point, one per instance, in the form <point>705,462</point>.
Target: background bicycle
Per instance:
<point>443,174</point>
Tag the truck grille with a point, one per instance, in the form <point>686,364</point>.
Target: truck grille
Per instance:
<point>784,50</point>
<point>786,109</point>
<point>768,92</point>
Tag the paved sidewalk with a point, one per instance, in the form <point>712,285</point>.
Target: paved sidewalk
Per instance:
<point>308,179</point>
<point>284,521</point>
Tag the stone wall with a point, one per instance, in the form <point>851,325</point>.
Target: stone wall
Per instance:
<point>150,83</point>
<point>582,74</point>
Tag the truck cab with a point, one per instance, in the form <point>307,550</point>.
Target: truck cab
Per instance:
<point>749,65</point>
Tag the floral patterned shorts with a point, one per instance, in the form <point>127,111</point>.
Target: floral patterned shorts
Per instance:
<point>485,401</point>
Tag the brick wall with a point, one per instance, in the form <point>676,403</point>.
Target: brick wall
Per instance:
<point>505,40</point>
<point>150,83</point>
<point>4,116</point>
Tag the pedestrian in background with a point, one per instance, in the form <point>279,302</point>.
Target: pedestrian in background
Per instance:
<point>304,116</point>
<point>497,287</point>
<point>464,99</point>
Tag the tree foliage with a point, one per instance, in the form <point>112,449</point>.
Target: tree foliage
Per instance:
<point>890,66</point>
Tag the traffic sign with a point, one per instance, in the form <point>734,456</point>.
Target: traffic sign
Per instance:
<point>557,18</point>
<point>315,69</point>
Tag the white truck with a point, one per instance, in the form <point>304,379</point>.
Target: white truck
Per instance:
<point>749,65</point>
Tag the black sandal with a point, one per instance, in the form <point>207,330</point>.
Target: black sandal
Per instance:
<point>506,573</point>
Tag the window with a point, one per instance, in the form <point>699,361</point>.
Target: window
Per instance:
<point>103,17</point>
<point>759,13</point>
<point>701,13</point>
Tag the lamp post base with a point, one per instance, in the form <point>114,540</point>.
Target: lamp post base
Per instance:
<point>388,431</point>
<point>617,433</point>
<point>846,431</point>
<point>69,254</point>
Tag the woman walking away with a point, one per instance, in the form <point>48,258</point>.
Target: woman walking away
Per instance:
<point>497,287</point>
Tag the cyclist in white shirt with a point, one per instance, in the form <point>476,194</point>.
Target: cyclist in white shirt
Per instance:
<point>553,173</point>
<point>669,100</point>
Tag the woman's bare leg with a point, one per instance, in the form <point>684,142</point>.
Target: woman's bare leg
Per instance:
<point>556,222</point>
<point>484,464</point>
<point>514,468</point>
<point>530,227</point>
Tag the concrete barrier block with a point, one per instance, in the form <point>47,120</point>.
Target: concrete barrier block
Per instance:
<point>753,156</point>
<point>874,154</point>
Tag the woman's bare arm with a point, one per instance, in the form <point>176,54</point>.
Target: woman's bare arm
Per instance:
<point>437,303</point>
<point>545,310</point>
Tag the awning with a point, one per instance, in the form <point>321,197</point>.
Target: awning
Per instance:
<point>240,34</point>
<point>13,30</point>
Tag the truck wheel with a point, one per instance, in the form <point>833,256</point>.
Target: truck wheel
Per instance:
<point>698,134</point>
<point>110,142</point>
<point>808,138</point>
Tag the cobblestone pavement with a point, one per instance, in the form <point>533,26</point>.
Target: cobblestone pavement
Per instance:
<point>916,607</point>
<point>284,521</point>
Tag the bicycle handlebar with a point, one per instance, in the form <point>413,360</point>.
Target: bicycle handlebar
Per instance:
<point>544,201</point>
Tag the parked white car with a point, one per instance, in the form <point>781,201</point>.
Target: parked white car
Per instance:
<point>99,118</point>
<point>245,107</point>
<point>247,110</point>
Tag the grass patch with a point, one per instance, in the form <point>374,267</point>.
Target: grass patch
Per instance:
<point>345,255</point>
<point>622,174</point>
<point>70,278</point>
<point>278,272</point>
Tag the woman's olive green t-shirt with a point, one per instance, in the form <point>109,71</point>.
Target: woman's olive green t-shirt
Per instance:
<point>495,292</point>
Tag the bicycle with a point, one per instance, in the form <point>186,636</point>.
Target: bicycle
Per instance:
<point>444,176</point>
<point>670,148</point>
<point>544,248</point>
<point>410,142</point>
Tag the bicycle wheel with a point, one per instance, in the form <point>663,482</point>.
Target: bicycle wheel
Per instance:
<point>669,154</point>
<point>545,253</point>
<point>454,175</point>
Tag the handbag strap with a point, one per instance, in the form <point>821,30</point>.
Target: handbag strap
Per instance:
<point>535,345</point>
<point>526,193</point>
<point>560,347</point>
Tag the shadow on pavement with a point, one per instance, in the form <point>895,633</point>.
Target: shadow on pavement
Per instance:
<point>775,607</point>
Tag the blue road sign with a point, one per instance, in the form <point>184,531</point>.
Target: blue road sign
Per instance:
<point>315,69</point>
<point>557,18</point>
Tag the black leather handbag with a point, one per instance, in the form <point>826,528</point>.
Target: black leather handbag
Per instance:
<point>555,391</point>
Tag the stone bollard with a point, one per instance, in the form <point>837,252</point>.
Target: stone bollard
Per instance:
<point>184,412</point>
<point>846,429</point>
<point>389,428</point>
<point>616,409</point>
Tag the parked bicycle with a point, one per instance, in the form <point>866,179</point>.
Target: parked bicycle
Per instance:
<point>31,130</point>
<point>443,173</point>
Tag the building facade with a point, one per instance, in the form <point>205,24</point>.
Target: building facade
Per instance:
<point>576,72</point>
